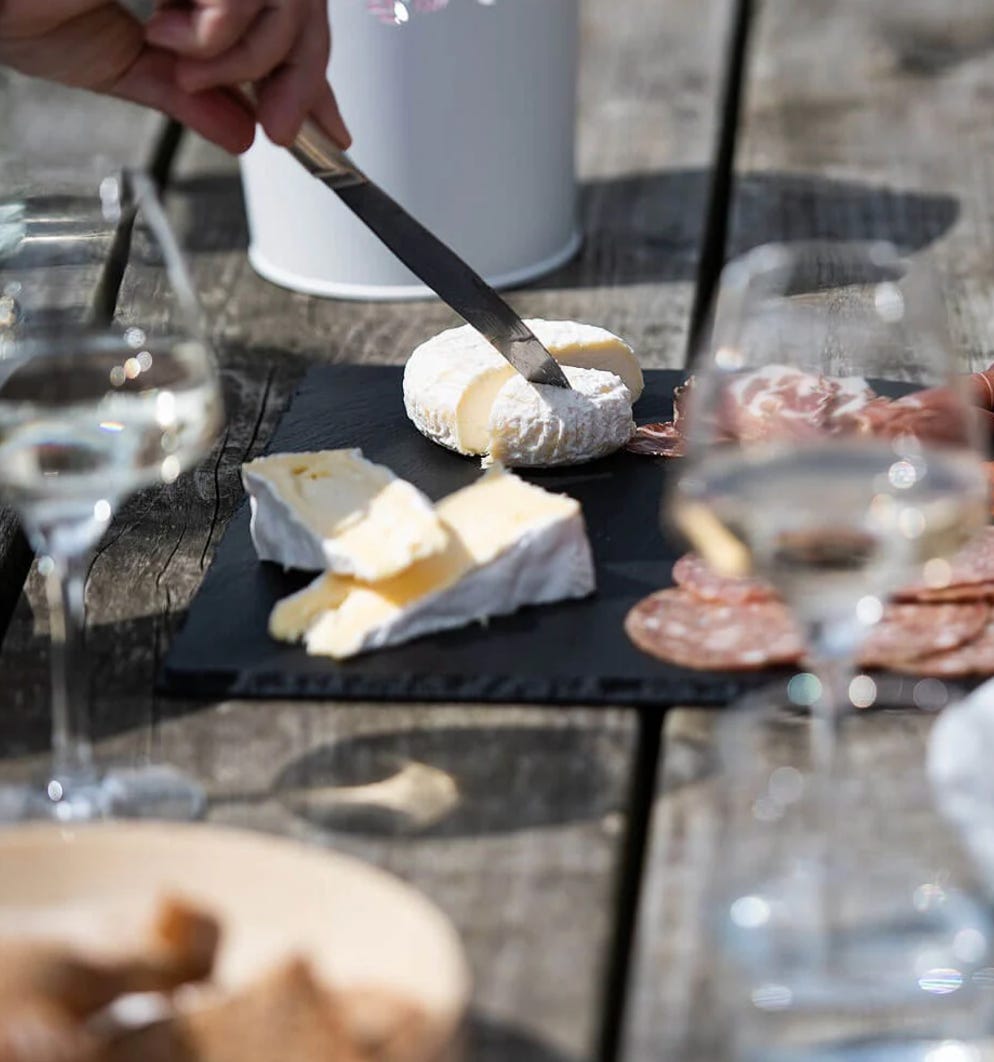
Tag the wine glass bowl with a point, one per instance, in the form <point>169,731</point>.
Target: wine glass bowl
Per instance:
<point>831,447</point>
<point>107,386</point>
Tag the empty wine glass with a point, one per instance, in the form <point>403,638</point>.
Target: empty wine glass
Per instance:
<point>95,403</point>
<point>831,450</point>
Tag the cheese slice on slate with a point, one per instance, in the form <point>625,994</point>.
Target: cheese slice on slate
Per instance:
<point>453,381</point>
<point>335,510</point>
<point>509,544</point>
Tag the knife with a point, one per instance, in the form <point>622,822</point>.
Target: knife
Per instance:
<point>426,256</point>
<point>452,280</point>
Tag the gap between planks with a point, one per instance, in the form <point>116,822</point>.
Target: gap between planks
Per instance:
<point>649,751</point>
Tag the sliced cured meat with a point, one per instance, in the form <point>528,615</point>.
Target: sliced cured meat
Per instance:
<point>779,401</point>
<point>679,628</point>
<point>657,440</point>
<point>909,632</point>
<point>976,657</point>
<point>972,565</point>
<point>694,574</point>
<point>935,415</point>
<point>943,594</point>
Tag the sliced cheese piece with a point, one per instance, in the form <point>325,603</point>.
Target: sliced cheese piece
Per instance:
<point>335,510</point>
<point>509,544</point>
<point>452,381</point>
<point>544,426</point>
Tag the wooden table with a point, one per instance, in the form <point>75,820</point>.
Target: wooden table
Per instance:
<point>705,126</point>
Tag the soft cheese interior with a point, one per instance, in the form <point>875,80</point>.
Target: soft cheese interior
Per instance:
<point>336,511</point>
<point>509,544</point>
<point>462,394</point>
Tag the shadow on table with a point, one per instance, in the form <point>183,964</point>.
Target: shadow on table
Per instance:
<point>645,228</point>
<point>455,781</point>
<point>492,1041</point>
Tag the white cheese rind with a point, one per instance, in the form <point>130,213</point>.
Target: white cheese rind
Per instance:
<point>452,381</point>
<point>552,563</point>
<point>385,526</point>
<point>510,544</point>
<point>545,426</point>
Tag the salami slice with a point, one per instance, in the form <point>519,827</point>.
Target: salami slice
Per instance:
<point>909,632</point>
<point>962,592</point>
<point>976,657</point>
<point>657,440</point>
<point>679,628</point>
<point>972,565</point>
<point>694,574</point>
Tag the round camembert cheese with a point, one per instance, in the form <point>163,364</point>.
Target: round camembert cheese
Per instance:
<point>462,394</point>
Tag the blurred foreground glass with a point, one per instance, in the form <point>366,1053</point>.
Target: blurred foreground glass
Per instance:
<point>803,468</point>
<point>886,953</point>
<point>95,403</point>
<point>832,451</point>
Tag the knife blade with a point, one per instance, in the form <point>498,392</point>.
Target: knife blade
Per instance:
<point>444,272</point>
<point>453,281</point>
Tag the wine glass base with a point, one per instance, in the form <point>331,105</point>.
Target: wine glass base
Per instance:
<point>153,792</point>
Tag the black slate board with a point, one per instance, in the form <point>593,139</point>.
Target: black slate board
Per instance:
<point>570,653</point>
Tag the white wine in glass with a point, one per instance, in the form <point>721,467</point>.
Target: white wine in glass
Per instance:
<point>94,405</point>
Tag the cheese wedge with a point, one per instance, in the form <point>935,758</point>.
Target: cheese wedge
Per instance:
<point>453,382</point>
<point>334,510</point>
<point>509,544</point>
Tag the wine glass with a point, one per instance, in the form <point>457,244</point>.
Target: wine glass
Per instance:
<point>803,467</point>
<point>831,450</point>
<point>95,403</point>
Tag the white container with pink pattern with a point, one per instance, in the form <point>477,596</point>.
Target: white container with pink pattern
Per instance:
<point>466,115</point>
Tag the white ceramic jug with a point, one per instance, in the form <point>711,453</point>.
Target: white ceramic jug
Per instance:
<point>466,116</point>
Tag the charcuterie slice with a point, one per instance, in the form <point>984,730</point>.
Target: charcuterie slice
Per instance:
<point>694,574</point>
<point>976,657</point>
<point>675,626</point>
<point>972,566</point>
<point>909,632</point>
<point>658,440</point>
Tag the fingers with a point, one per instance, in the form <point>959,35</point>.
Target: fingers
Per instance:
<point>256,55</point>
<point>214,114</point>
<point>296,87</point>
<point>203,30</point>
<point>282,48</point>
<point>324,110</point>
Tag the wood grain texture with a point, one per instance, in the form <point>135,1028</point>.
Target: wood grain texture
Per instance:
<point>527,862</point>
<point>859,120</point>
<point>872,120</point>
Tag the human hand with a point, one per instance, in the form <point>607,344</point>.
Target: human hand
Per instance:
<point>280,46</point>
<point>96,45</point>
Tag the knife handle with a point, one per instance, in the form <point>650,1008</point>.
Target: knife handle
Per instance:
<point>315,150</point>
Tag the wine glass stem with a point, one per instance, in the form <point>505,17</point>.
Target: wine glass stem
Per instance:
<point>834,671</point>
<point>72,752</point>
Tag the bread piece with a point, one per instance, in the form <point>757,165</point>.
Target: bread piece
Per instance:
<point>181,948</point>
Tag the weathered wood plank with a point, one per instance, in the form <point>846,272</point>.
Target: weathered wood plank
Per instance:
<point>872,120</point>
<point>527,864</point>
<point>859,120</point>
